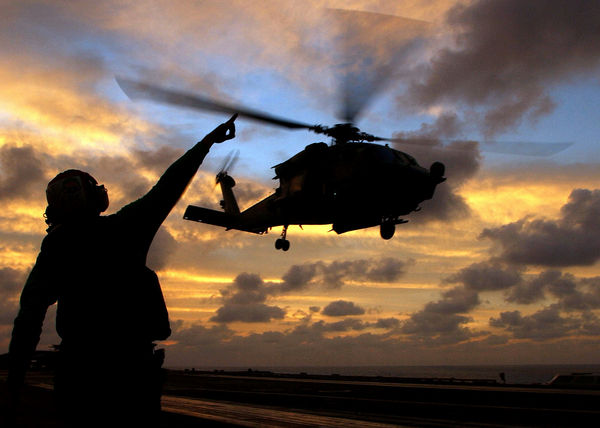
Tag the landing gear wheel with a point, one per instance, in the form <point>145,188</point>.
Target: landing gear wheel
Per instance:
<point>387,229</point>
<point>282,244</point>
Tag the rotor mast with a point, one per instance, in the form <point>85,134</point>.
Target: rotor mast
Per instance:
<point>342,133</point>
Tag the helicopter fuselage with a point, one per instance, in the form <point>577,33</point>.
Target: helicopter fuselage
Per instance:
<point>351,186</point>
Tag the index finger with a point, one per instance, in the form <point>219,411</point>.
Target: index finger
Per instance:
<point>234,117</point>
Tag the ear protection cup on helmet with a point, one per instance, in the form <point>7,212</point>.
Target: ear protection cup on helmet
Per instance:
<point>101,198</point>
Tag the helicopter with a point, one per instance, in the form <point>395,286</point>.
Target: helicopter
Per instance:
<point>351,183</point>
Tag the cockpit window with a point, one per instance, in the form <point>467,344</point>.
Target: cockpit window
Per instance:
<point>404,158</point>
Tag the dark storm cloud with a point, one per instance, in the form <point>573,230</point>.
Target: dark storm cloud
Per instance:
<point>244,301</point>
<point>341,308</point>
<point>506,53</point>
<point>571,240</point>
<point>21,171</point>
<point>334,274</point>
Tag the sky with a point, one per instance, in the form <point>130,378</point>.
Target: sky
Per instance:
<point>500,267</point>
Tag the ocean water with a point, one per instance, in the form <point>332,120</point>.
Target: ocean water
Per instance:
<point>514,374</point>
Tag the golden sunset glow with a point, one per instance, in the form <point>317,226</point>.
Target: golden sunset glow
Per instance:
<point>480,267</point>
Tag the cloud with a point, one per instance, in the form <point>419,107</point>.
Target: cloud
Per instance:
<point>163,245</point>
<point>443,321</point>
<point>336,273</point>
<point>486,276</point>
<point>527,292</point>
<point>246,288</point>
<point>11,284</point>
<point>199,335</point>
<point>11,281</point>
<point>544,324</point>
<point>432,324</point>
<point>21,171</point>
<point>572,293</point>
<point>249,313</point>
<point>244,302</point>
<point>461,159</point>
<point>340,326</point>
<point>503,58</point>
<point>341,308</point>
<point>455,300</point>
<point>157,160</point>
<point>387,323</point>
<point>298,276</point>
<point>571,240</point>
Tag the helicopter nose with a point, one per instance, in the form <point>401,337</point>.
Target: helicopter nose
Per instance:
<point>437,171</point>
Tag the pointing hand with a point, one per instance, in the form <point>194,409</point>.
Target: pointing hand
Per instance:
<point>225,131</point>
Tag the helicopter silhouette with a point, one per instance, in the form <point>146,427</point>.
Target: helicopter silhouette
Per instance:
<point>353,182</point>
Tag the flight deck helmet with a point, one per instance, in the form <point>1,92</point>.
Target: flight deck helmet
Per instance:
<point>74,194</point>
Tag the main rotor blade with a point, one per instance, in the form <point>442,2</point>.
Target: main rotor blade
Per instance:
<point>525,148</point>
<point>372,49</point>
<point>142,90</point>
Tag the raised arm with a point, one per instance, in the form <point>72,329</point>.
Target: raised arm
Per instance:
<point>151,210</point>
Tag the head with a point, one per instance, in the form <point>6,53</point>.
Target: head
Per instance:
<point>74,195</point>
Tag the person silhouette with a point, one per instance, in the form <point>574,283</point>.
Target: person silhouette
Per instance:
<point>110,305</point>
